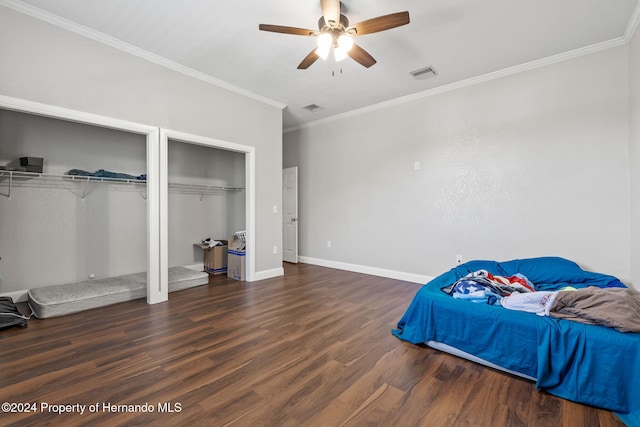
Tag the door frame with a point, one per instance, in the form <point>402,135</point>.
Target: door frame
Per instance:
<point>156,269</point>
<point>250,196</point>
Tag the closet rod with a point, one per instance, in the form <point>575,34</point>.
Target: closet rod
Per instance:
<point>40,180</point>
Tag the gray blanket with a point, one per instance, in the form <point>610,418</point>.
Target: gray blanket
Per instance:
<point>617,308</point>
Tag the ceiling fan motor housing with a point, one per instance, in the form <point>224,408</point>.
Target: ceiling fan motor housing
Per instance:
<point>340,26</point>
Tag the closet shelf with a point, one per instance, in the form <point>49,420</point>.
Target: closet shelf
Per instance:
<point>11,179</point>
<point>199,188</point>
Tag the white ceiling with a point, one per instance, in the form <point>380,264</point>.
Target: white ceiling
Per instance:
<point>461,39</point>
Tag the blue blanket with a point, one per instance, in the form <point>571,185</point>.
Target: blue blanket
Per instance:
<point>588,364</point>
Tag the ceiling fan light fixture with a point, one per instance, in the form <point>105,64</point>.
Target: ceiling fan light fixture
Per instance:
<point>325,40</point>
<point>345,42</point>
<point>323,52</point>
<point>343,45</point>
<point>339,54</point>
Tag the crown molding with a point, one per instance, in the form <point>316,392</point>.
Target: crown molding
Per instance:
<point>632,26</point>
<point>565,56</point>
<point>45,16</point>
<point>74,27</point>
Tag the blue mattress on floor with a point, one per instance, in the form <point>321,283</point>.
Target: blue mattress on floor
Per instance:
<point>589,364</point>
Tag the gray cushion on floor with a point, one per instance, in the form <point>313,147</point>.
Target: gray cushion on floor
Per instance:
<point>57,300</point>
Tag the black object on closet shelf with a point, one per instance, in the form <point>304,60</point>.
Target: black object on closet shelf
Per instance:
<point>32,164</point>
<point>9,314</point>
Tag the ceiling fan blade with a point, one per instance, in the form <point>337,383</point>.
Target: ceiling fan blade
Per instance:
<point>361,56</point>
<point>287,30</point>
<point>308,60</point>
<point>381,23</point>
<point>331,11</point>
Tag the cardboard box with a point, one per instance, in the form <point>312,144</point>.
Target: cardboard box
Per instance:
<point>215,258</point>
<point>237,258</point>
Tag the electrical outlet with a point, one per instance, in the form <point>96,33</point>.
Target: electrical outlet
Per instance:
<point>328,243</point>
<point>275,250</point>
<point>458,259</point>
<point>416,166</point>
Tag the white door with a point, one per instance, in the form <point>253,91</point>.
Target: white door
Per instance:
<point>290,214</point>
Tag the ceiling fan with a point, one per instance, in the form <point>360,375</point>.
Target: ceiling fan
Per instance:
<point>335,32</point>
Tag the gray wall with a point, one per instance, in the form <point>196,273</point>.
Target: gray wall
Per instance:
<point>527,165</point>
<point>51,232</point>
<point>47,64</point>
<point>634,150</point>
<point>192,217</point>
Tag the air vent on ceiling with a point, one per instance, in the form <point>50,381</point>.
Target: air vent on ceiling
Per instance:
<point>424,73</point>
<point>313,108</point>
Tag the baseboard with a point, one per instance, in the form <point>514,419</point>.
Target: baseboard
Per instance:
<point>16,296</point>
<point>268,274</point>
<point>374,271</point>
<point>259,275</point>
<point>21,296</point>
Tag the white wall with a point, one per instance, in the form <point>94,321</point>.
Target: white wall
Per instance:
<point>50,65</point>
<point>634,156</point>
<point>527,165</point>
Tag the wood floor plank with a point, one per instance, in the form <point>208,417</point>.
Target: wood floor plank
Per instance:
<point>312,348</point>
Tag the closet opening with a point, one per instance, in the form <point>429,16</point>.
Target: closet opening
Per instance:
<point>82,212</point>
<point>56,230</point>
<point>209,194</point>
<point>206,200</point>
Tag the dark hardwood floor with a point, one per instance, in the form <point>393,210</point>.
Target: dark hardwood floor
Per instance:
<point>312,348</point>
